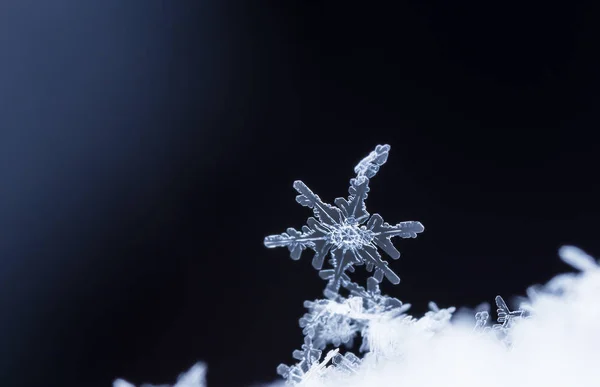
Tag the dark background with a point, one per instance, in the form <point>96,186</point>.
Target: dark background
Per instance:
<point>146,149</point>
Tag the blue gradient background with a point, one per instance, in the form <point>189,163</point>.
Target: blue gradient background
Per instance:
<point>93,99</point>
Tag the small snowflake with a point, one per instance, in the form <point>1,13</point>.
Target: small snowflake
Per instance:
<point>347,230</point>
<point>506,317</point>
<point>308,356</point>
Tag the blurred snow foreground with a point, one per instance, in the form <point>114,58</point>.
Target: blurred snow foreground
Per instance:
<point>552,339</point>
<point>192,378</point>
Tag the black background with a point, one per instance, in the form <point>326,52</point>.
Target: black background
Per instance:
<point>146,149</point>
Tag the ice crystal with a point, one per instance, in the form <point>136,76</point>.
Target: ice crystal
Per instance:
<point>328,322</point>
<point>346,230</point>
<point>481,319</point>
<point>348,362</point>
<point>505,321</point>
<point>352,236</point>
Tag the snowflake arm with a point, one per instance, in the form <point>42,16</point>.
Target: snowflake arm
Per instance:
<point>369,166</point>
<point>327,214</point>
<point>370,255</point>
<point>342,260</point>
<point>355,206</point>
<point>313,236</point>
<point>383,232</point>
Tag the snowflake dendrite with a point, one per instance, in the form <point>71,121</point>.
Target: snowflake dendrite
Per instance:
<point>346,230</point>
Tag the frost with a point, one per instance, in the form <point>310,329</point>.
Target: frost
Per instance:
<point>537,345</point>
<point>346,230</point>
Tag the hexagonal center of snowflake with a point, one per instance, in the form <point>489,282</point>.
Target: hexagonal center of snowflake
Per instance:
<point>349,236</point>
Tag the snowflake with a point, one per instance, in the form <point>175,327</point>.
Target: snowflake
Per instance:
<point>347,230</point>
